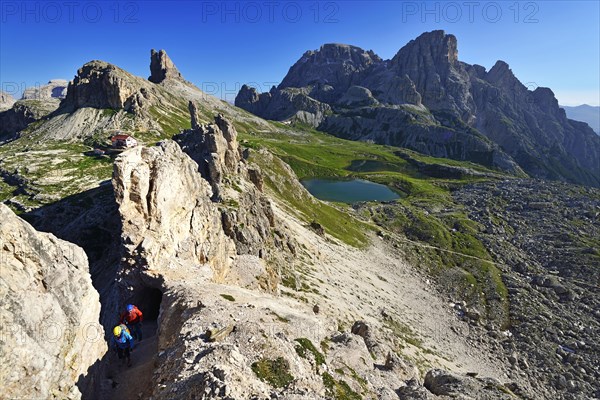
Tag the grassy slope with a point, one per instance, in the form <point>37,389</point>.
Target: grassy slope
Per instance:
<point>424,214</point>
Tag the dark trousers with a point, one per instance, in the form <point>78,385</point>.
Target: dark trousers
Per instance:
<point>136,331</point>
<point>123,353</point>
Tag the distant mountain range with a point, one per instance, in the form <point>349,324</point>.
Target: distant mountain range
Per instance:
<point>584,113</point>
<point>427,100</point>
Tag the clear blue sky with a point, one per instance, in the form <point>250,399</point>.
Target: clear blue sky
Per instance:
<point>221,45</point>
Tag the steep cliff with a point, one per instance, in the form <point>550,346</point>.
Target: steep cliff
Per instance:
<point>49,316</point>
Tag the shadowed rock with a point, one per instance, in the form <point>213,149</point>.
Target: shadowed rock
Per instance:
<point>49,313</point>
<point>162,68</point>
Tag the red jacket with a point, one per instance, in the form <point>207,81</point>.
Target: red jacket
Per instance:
<point>132,317</point>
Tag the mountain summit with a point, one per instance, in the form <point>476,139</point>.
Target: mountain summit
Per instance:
<point>426,99</point>
<point>161,67</point>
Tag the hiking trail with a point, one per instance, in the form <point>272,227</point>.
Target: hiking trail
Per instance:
<point>135,382</point>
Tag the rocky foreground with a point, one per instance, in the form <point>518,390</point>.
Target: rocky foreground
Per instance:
<point>545,236</point>
<point>49,316</point>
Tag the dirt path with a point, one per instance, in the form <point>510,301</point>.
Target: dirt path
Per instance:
<point>130,383</point>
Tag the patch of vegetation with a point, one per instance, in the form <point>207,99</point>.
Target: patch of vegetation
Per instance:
<point>227,297</point>
<point>325,345</point>
<point>172,121</point>
<point>305,346</point>
<point>280,318</point>
<point>274,372</point>
<point>339,389</point>
<point>403,332</point>
<point>361,381</point>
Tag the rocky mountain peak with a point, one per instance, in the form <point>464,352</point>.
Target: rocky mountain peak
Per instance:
<point>352,93</point>
<point>333,64</point>
<point>247,96</point>
<point>161,67</point>
<point>435,46</point>
<point>501,74</point>
<point>99,84</point>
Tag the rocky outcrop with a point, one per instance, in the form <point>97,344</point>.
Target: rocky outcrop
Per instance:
<point>249,218</point>
<point>167,216</point>
<point>161,67</point>
<point>427,100</point>
<point>285,104</point>
<point>23,113</point>
<point>49,315</point>
<point>102,85</point>
<point>54,89</point>
<point>6,101</point>
<point>213,146</point>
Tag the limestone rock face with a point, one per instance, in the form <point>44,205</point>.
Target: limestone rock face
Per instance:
<point>161,67</point>
<point>49,314</point>
<point>338,65</point>
<point>6,101</point>
<point>250,219</point>
<point>214,147</point>
<point>54,89</point>
<point>358,96</point>
<point>285,104</point>
<point>431,62</point>
<point>167,216</point>
<point>100,85</point>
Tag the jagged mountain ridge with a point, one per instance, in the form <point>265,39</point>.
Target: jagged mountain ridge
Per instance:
<point>103,97</point>
<point>425,99</point>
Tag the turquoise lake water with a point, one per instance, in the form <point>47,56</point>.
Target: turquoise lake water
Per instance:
<point>351,191</point>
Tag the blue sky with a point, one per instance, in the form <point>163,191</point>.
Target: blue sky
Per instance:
<point>221,45</point>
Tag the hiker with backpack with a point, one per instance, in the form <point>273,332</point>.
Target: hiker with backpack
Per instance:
<point>123,342</point>
<point>133,318</point>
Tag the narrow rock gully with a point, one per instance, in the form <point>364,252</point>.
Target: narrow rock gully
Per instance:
<point>131,383</point>
<point>134,382</point>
